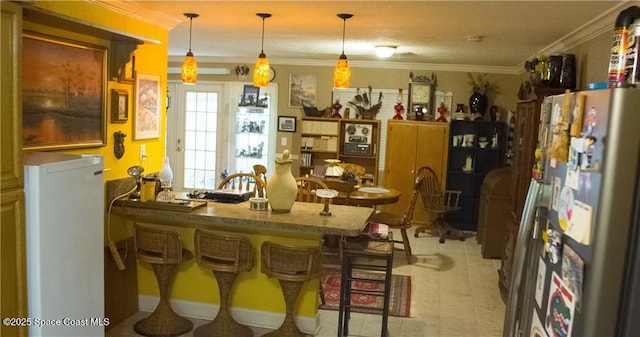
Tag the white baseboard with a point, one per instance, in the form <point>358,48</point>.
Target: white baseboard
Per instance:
<point>251,317</point>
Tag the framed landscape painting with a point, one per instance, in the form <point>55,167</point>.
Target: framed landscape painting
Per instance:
<point>63,93</point>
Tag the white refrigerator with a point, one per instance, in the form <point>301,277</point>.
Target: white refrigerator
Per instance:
<point>65,229</point>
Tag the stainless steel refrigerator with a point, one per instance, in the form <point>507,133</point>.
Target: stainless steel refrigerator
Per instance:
<point>577,258</point>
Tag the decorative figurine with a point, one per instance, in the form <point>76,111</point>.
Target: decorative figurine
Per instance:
<point>336,109</point>
<point>444,113</point>
<point>398,107</point>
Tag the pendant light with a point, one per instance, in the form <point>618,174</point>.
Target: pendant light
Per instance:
<point>261,71</point>
<point>342,73</point>
<point>189,66</point>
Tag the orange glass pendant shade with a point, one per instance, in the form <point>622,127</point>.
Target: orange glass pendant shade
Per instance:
<point>189,66</point>
<point>261,71</point>
<point>189,69</point>
<point>342,73</point>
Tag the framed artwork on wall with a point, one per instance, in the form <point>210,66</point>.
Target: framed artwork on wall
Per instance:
<point>63,93</point>
<point>119,106</point>
<point>128,70</point>
<point>302,90</point>
<point>146,122</point>
<point>286,124</point>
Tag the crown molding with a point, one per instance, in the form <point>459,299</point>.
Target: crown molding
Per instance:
<point>133,10</point>
<point>597,26</point>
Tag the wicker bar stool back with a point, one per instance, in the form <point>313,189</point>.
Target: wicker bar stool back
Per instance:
<point>162,248</point>
<point>292,266</point>
<point>226,255</point>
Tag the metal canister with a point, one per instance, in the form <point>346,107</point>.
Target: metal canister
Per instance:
<point>623,42</point>
<point>148,188</point>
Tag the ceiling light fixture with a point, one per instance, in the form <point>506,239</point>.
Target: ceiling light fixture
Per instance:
<point>261,70</point>
<point>189,66</point>
<point>342,73</point>
<point>385,51</point>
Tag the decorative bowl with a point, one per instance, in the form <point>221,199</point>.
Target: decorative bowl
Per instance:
<point>483,144</point>
<point>312,111</point>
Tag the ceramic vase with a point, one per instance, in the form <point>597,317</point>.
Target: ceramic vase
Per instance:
<point>282,188</point>
<point>478,103</point>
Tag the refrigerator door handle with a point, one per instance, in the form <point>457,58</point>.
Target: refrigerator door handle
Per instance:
<point>535,198</point>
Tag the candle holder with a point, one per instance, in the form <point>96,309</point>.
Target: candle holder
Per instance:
<point>326,194</point>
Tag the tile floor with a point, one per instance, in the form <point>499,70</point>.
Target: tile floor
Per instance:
<point>455,293</point>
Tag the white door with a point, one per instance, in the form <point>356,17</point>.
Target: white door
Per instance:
<point>194,131</point>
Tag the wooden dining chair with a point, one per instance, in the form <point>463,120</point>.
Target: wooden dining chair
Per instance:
<point>260,171</point>
<point>307,187</point>
<point>439,203</point>
<point>245,182</point>
<point>402,221</point>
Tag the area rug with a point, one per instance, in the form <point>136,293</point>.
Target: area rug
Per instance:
<point>399,304</point>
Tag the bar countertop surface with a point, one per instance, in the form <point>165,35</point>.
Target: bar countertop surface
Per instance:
<point>304,217</point>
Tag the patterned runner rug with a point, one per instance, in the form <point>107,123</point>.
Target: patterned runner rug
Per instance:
<point>399,304</point>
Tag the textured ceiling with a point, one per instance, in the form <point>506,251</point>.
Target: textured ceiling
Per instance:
<point>426,32</point>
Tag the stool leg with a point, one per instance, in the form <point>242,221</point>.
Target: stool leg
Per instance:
<point>290,290</point>
<point>387,295</point>
<point>345,297</point>
<point>163,321</point>
<point>224,325</point>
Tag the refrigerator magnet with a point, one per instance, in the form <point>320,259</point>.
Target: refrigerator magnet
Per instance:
<point>579,227</point>
<point>565,207</point>
<point>560,309</point>
<point>572,272</point>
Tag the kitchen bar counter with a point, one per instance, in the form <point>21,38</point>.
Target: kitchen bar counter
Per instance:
<point>257,300</point>
<point>303,219</point>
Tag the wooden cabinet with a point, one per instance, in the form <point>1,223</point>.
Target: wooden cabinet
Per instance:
<point>469,163</point>
<point>353,141</point>
<point>411,145</point>
<point>13,274</point>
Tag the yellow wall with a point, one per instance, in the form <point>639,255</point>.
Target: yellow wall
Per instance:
<point>150,59</point>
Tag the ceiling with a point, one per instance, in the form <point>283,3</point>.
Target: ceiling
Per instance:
<point>431,34</point>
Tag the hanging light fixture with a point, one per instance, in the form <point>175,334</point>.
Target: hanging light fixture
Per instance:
<point>342,73</point>
<point>261,71</point>
<point>189,66</point>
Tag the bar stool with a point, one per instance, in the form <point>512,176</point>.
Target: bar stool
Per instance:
<point>292,266</point>
<point>162,248</point>
<point>366,254</point>
<point>227,256</point>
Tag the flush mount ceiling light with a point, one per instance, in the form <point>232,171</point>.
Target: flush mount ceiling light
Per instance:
<point>189,66</point>
<point>261,70</point>
<point>385,51</point>
<point>342,73</point>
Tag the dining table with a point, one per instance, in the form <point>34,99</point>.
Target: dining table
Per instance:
<point>370,196</point>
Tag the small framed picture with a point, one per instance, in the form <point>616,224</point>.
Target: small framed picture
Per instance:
<point>286,124</point>
<point>119,106</point>
<point>250,96</point>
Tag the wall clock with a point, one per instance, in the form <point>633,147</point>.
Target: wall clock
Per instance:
<point>421,100</point>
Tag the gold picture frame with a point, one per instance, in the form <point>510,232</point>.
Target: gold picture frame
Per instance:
<point>119,106</point>
<point>64,90</point>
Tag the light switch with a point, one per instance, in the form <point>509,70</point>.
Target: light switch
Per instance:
<point>283,141</point>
